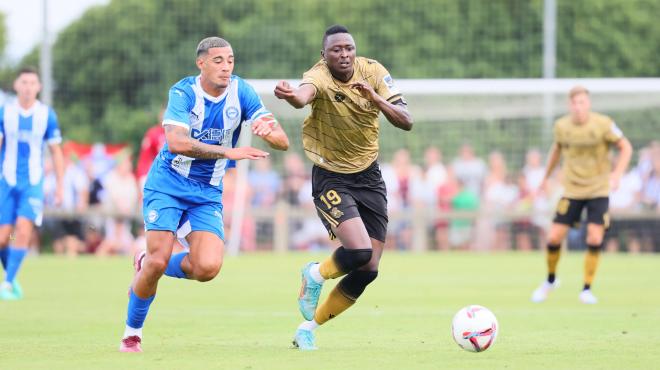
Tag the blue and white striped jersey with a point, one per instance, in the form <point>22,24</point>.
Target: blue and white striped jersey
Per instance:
<point>23,134</point>
<point>211,120</point>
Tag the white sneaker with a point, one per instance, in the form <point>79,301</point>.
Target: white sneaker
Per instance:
<point>587,297</point>
<point>541,293</point>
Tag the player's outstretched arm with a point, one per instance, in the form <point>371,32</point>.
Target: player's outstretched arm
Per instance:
<point>267,128</point>
<point>297,97</point>
<point>397,114</point>
<point>179,142</point>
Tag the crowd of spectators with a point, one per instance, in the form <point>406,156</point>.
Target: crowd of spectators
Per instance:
<point>469,202</point>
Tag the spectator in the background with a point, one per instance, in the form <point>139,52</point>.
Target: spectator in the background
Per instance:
<point>247,228</point>
<point>121,191</point>
<point>266,185</point>
<point>295,177</point>
<point>434,175</point>
<point>533,171</point>
<point>532,200</point>
<point>499,196</point>
<point>94,229</point>
<point>446,193</point>
<point>651,201</point>
<point>152,143</point>
<point>75,201</point>
<point>408,178</point>
<point>469,169</point>
<point>625,199</point>
<point>461,229</point>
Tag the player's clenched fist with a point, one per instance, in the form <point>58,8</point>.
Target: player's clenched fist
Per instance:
<point>283,90</point>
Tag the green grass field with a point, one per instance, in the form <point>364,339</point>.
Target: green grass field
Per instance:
<point>73,316</point>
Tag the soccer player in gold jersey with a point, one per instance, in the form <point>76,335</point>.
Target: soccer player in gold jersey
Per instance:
<point>583,139</point>
<point>347,93</point>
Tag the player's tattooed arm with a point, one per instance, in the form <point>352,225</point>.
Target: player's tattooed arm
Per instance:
<point>180,142</point>
<point>397,113</point>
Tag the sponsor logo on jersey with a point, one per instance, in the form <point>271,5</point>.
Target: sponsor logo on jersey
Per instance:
<point>212,135</point>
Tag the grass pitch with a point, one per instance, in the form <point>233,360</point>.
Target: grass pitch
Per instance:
<point>73,316</point>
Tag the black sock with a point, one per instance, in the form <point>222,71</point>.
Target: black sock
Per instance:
<point>551,278</point>
<point>586,287</point>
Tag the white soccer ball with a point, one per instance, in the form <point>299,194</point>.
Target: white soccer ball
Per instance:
<point>474,328</point>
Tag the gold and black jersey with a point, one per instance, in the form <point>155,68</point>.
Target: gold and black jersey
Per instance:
<point>341,134</point>
<point>585,155</point>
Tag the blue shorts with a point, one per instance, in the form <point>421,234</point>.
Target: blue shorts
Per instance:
<point>22,200</point>
<point>171,200</point>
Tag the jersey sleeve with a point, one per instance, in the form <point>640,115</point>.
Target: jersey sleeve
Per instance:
<point>178,109</point>
<point>613,133</point>
<point>52,134</point>
<point>313,77</point>
<point>251,105</point>
<point>384,84</point>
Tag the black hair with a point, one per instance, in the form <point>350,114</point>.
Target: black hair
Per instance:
<point>334,29</point>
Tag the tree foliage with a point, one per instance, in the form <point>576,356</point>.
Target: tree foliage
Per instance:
<point>114,65</point>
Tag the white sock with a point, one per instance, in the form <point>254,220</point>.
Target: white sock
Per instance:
<point>132,331</point>
<point>315,272</point>
<point>6,286</point>
<point>309,325</point>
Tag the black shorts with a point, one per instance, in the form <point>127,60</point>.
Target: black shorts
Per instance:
<point>339,197</point>
<point>569,211</point>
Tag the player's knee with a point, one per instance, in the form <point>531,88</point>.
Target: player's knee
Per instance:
<point>155,264</point>
<point>206,271</point>
<point>350,259</point>
<point>354,284</point>
<point>594,240</point>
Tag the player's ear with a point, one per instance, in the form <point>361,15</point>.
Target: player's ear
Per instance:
<point>322,55</point>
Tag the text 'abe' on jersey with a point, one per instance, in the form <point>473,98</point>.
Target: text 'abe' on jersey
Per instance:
<point>211,120</point>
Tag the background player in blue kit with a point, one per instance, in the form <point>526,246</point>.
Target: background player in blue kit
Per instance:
<point>25,125</point>
<point>202,125</point>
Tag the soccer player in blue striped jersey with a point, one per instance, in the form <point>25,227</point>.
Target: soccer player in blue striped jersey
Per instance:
<point>26,124</point>
<point>202,124</point>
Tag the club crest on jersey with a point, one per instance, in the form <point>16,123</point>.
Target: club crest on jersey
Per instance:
<point>152,216</point>
<point>339,97</point>
<point>231,113</point>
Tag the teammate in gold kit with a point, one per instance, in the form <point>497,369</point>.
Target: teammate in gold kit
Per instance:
<point>347,94</point>
<point>583,139</point>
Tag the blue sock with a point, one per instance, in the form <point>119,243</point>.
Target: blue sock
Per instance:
<point>14,260</point>
<point>137,310</point>
<point>174,266</point>
<point>4,254</point>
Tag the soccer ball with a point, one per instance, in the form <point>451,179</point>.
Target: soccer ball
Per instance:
<point>474,328</point>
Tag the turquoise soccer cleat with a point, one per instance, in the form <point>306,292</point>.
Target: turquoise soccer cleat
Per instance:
<point>304,340</point>
<point>309,293</point>
<point>18,291</point>
<point>7,293</point>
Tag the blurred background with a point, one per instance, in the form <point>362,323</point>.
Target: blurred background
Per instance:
<point>485,81</point>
